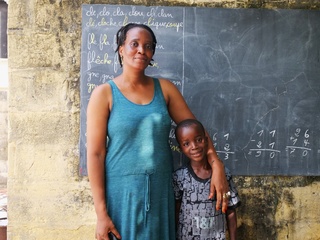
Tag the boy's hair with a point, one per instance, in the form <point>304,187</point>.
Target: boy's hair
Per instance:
<point>188,123</point>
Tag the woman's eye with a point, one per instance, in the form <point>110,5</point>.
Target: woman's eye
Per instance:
<point>149,46</point>
<point>134,44</point>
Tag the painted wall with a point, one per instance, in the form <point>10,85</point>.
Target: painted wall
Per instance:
<point>47,199</point>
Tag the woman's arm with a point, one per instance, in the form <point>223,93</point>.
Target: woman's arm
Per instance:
<point>97,118</point>
<point>219,184</point>
<point>179,110</point>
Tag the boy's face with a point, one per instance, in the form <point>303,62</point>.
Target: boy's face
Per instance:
<point>193,143</point>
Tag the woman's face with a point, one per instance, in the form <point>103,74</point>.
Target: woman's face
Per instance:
<point>137,50</point>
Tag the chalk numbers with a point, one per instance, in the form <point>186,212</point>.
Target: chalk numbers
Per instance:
<point>299,142</point>
<point>264,143</point>
<point>226,146</point>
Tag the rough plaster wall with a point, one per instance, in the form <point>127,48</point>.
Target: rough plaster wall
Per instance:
<point>3,122</point>
<point>3,137</point>
<point>46,197</point>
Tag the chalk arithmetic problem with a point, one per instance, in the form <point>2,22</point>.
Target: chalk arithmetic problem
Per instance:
<point>251,76</point>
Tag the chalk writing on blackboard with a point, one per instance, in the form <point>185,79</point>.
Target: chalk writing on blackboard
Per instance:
<point>261,145</point>
<point>156,17</point>
<point>300,142</point>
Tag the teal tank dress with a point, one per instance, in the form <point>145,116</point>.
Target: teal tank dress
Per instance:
<point>139,193</point>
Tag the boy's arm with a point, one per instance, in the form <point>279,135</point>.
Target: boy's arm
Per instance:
<point>232,223</point>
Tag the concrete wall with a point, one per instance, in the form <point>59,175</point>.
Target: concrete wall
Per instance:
<point>46,197</point>
<point>3,122</point>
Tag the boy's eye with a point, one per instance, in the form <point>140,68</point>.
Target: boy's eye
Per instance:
<point>186,144</point>
<point>199,139</point>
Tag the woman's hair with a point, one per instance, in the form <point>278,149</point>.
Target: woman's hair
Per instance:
<point>122,35</point>
<point>187,123</point>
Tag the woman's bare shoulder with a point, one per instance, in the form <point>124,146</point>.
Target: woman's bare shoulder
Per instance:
<point>167,86</point>
<point>102,95</point>
<point>101,90</point>
<point>166,83</point>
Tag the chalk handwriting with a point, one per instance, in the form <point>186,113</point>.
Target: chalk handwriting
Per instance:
<point>226,147</point>
<point>91,12</point>
<point>97,59</point>
<point>92,75</point>
<point>156,18</point>
<point>118,12</point>
<point>153,23</point>
<point>103,13</point>
<point>90,23</point>
<point>176,83</point>
<point>155,13</point>
<point>299,141</point>
<point>103,22</point>
<point>135,13</point>
<point>103,41</point>
<point>264,143</point>
<point>91,86</point>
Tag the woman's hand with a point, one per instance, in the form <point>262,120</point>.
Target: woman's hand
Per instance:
<point>219,185</point>
<point>104,228</point>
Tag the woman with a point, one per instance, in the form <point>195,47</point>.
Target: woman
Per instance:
<point>131,183</point>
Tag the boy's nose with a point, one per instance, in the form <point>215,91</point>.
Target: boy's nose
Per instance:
<point>194,145</point>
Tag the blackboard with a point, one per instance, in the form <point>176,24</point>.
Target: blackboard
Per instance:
<point>252,76</point>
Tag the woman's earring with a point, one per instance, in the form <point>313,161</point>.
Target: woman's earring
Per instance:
<point>150,63</point>
<point>121,58</point>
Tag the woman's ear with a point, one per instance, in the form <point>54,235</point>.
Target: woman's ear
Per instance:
<point>120,50</point>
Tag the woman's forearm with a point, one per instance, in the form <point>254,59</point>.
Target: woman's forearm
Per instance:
<point>96,176</point>
<point>212,155</point>
<point>219,185</point>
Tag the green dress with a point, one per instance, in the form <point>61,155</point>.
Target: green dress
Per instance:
<point>139,193</point>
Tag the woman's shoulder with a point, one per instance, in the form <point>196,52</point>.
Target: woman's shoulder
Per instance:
<point>102,95</point>
<point>164,81</point>
<point>167,86</point>
<point>102,89</point>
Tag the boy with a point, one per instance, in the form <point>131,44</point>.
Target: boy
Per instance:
<point>196,216</point>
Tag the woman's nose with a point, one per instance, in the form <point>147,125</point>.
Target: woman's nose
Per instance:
<point>141,49</point>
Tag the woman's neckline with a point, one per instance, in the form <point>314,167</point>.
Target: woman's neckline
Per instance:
<point>138,104</point>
